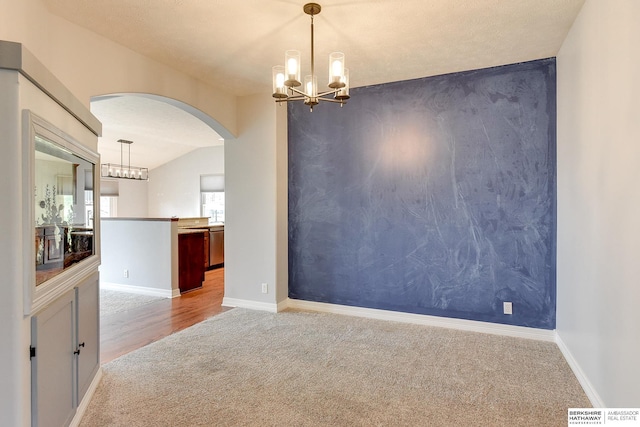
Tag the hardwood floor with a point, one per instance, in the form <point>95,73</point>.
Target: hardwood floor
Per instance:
<point>123,332</point>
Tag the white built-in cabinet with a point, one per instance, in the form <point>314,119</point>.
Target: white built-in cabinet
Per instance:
<point>51,227</point>
<point>65,353</point>
<point>52,363</point>
<point>88,320</point>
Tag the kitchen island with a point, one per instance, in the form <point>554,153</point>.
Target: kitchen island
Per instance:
<point>152,256</point>
<point>213,240</point>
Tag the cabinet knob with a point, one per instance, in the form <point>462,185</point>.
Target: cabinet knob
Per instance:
<point>77,351</point>
<point>81,344</point>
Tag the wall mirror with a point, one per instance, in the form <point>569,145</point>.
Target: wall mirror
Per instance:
<point>62,175</point>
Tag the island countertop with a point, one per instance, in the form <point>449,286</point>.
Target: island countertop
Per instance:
<point>192,230</point>
<point>123,218</point>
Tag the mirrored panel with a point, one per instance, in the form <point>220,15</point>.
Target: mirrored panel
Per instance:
<point>64,201</point>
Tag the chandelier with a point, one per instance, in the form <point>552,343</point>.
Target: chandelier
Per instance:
<point>112,170</point>
<point>286,79</point>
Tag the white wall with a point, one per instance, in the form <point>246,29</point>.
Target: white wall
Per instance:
<point>91,65</point>
<point>282,205</point>
<point>254,202</point>
<point>598,303</point>
<point>147,249</point>
<point>174,188</point>
<point>133,199</point>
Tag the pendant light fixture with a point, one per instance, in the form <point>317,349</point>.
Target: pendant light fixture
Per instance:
<point>286,79</point>
<point>112,170</point>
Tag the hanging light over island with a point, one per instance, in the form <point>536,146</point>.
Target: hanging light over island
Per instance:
<point>122,171</point>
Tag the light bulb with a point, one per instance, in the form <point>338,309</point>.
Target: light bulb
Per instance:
<point>336,68</point>
<point>343,93</point>
<point>292,66</point>
<point>279,83</point>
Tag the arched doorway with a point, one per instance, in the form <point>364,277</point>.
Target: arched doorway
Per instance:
<point>178,144</point>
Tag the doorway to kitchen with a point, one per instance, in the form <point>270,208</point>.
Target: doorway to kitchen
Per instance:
<point>181,147</point>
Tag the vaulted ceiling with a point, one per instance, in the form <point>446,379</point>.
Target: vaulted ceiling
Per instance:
<point>160,132</point>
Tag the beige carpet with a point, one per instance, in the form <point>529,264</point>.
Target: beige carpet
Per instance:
<point>112,302</point>
<point>252,368</point>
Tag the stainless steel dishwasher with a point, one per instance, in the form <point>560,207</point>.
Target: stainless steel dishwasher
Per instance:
<point>216,246</point>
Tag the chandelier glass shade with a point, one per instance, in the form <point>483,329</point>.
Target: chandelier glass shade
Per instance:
<point>287,85</point>
<point>113,170</point>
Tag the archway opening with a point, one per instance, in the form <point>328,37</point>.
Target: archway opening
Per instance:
<point>180,145</point>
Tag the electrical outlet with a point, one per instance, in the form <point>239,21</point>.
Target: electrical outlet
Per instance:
<point>265,288</point>
<point>126,273</point>
<point>507,307</point>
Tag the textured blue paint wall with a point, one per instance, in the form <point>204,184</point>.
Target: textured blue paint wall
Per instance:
<point>432,196</point>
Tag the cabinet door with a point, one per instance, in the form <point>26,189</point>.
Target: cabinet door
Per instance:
<point>190,262</point>
<point>53,376</point>
<point>206,249</point>
<point>88,345</point>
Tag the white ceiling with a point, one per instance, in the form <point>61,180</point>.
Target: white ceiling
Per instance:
<point>160,132</point>
<point>234,44</point>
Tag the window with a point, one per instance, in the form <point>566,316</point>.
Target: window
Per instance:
<point>212,197</point>
<point>108,207</point>
<point>109,192</point>
<point>88,207</point>
<point>213,205</point>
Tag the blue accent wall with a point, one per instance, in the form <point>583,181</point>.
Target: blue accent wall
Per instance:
<point>433,196</point>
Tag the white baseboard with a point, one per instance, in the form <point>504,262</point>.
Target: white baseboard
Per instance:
<point>423,319</point>
<point>84,404</point>
<point>140,290</point>
<point>466,325</point>
<point>588,388</point>
<point>283,305</point>
<point>252,305</point>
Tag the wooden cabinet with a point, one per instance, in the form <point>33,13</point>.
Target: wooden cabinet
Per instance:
<point>206,249</point>
<point>190,260</point>
<point>64,354</point>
